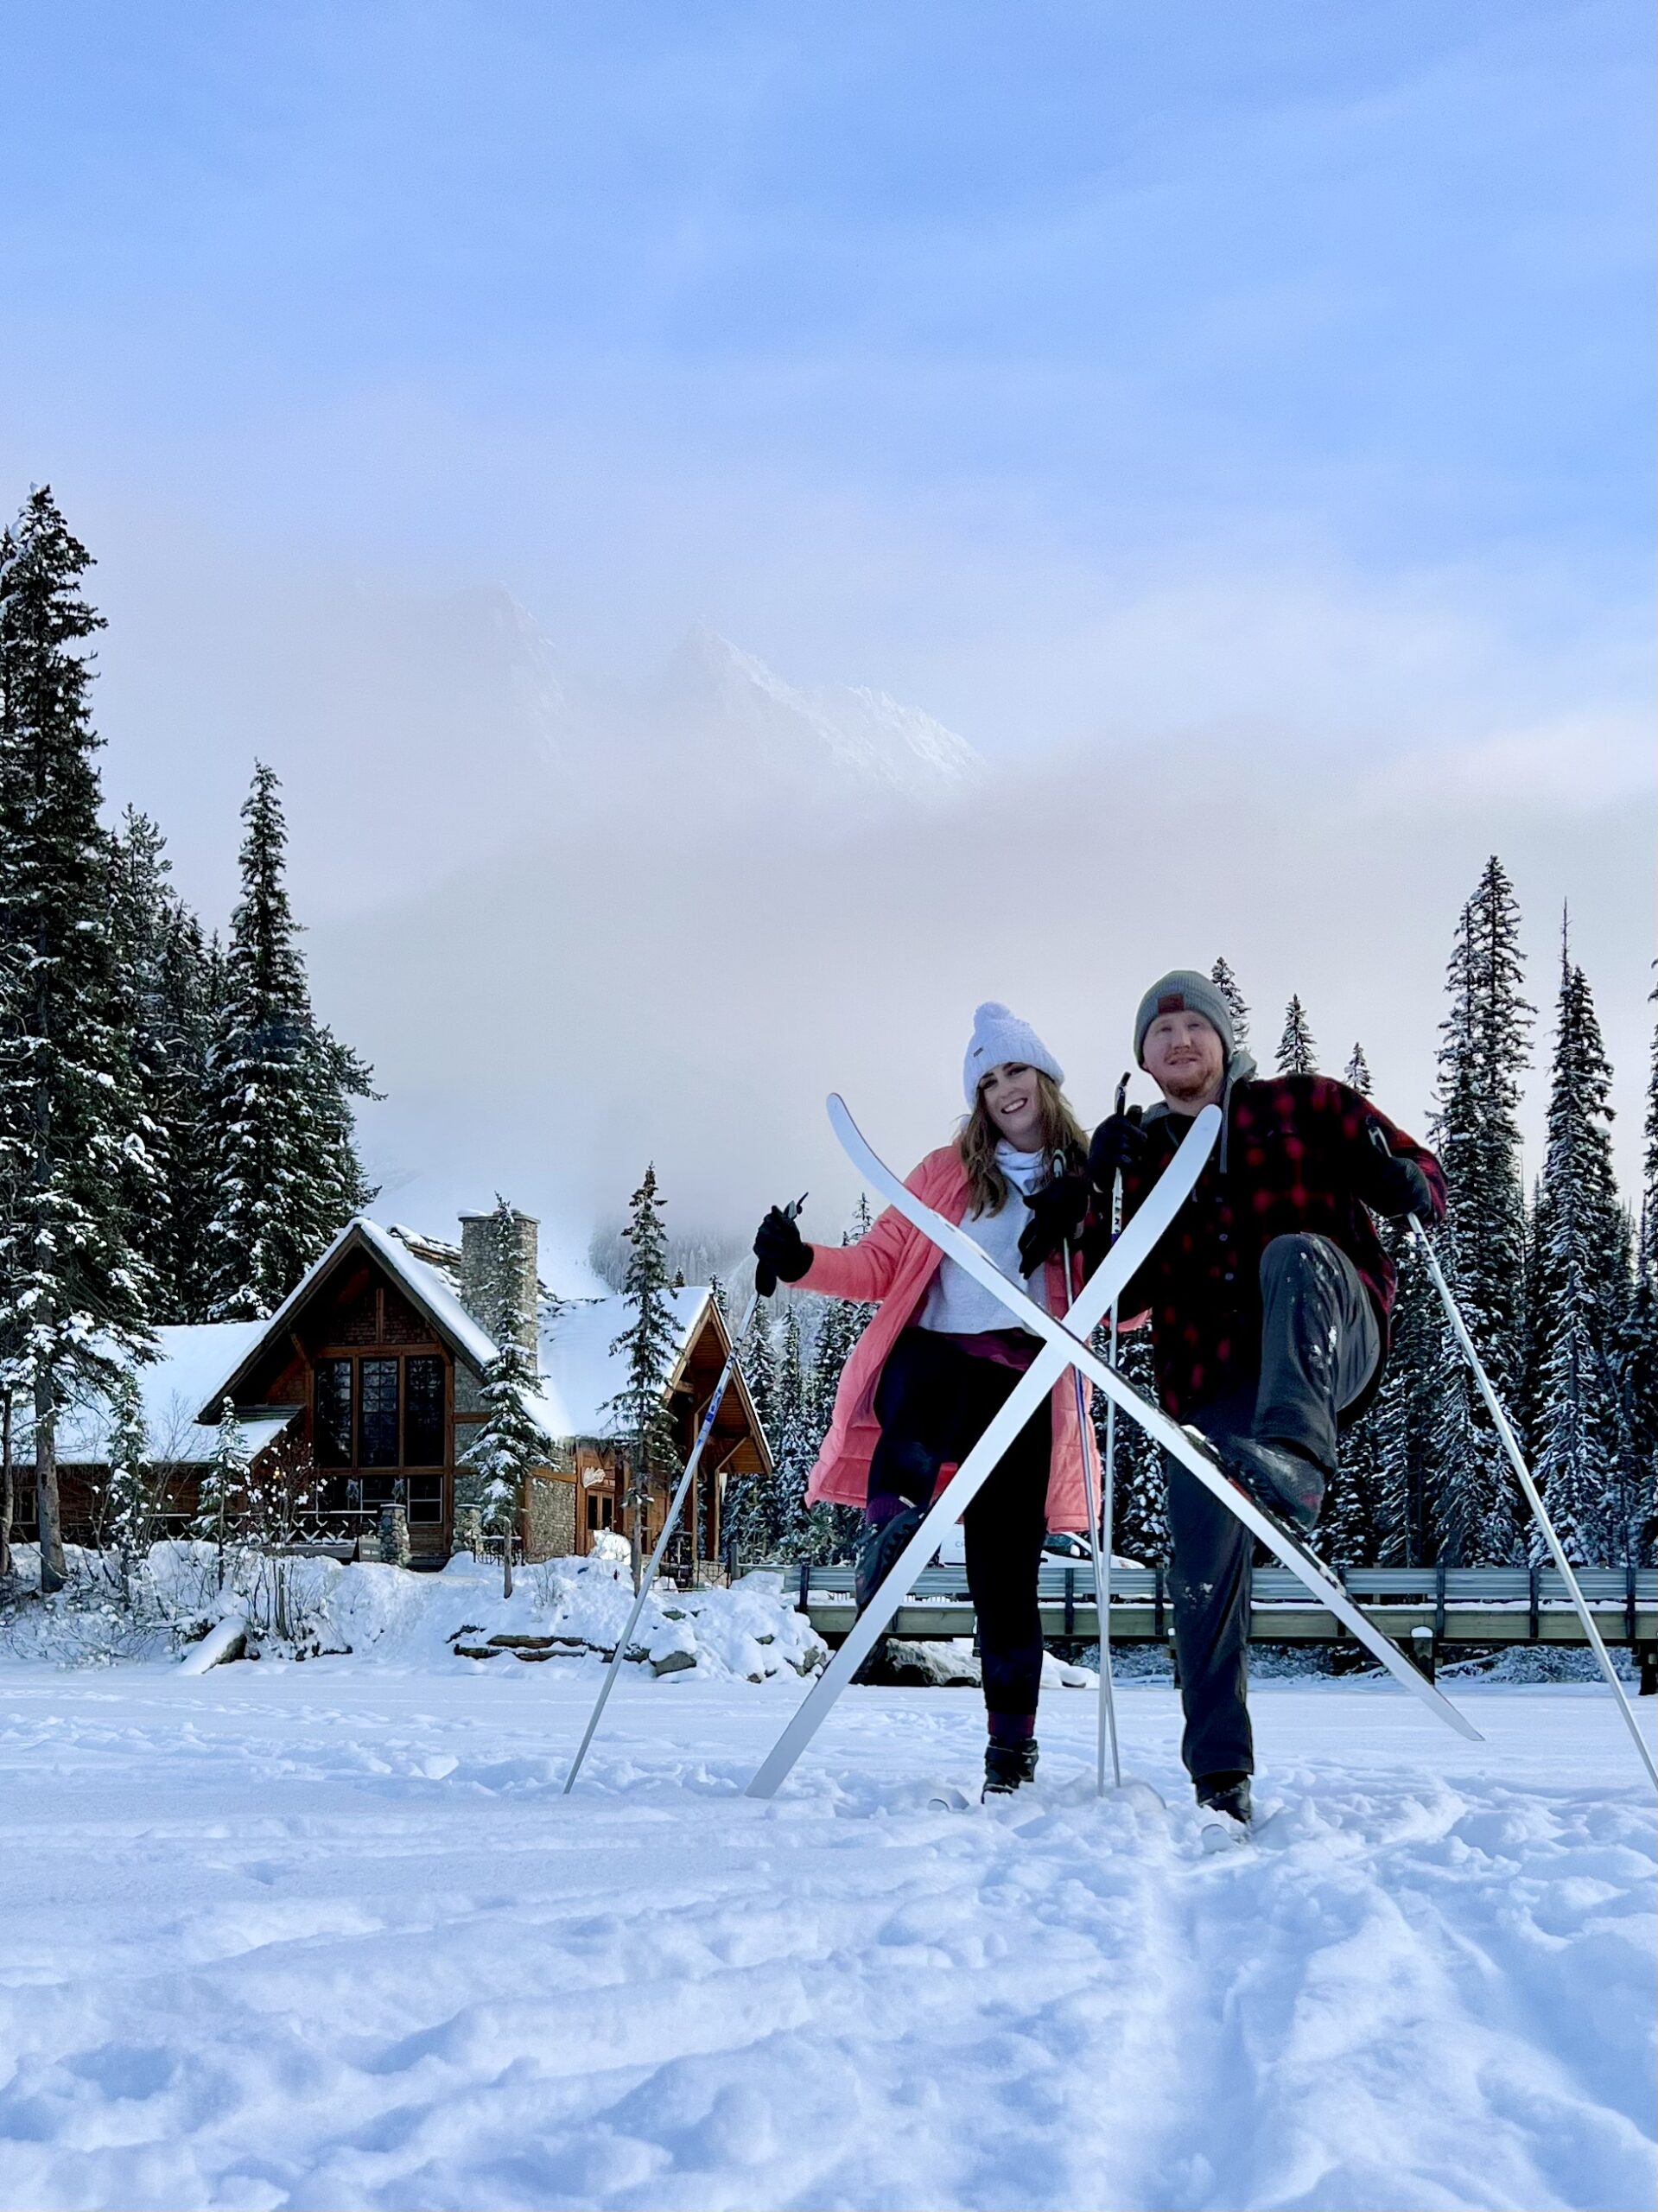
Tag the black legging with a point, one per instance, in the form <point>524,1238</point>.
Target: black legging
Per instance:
<point>934,1401</point>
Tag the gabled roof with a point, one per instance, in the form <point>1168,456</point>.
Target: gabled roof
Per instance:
<point>428,1289</point>
<point>189,1360</point>
<point>579,1373</point>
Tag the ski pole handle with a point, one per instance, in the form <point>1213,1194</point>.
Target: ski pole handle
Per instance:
<point>766,1280</point>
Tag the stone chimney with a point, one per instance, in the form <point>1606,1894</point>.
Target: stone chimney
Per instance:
<point>482,1276</point>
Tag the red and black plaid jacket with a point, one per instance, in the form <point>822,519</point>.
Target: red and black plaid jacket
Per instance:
<point>1297,1150</point>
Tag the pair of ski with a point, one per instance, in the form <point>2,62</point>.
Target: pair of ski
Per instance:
<point>1065,1345</point>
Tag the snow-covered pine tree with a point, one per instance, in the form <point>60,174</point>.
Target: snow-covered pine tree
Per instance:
<point>794,1444</point>
<point>1399,1424</point>
<point>167,977</point>
<point>129,1500</point>
<point>1297,1052</point>
<point>1581,1238</point>
<point>288,1173</point>
<point>509,1441</point>
<point>1140,1525</point>
<point>222,1491</point>
<point>1356,1074</point>
<point>74,1287</point>
<point>1484,1049</point>
<point>1226,984</point>
<point>1638,1352</point>
<point>647,1345</point>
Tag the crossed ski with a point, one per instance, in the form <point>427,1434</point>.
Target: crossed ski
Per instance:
<point>1065,1345</point>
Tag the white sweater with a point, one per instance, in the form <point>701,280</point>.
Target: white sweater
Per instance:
<point>955,1304</point>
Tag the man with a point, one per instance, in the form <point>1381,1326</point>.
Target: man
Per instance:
<point>1268,1302</point>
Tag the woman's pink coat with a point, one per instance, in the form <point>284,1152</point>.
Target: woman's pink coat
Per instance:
<point>892,1265</point>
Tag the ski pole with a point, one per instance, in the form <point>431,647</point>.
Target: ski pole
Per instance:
<point>1516,1459</point>
<point>1108,1474</point>
<point>1102,1703</point>
<point>765,1283</point>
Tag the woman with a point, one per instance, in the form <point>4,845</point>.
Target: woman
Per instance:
<point>941,1356</point>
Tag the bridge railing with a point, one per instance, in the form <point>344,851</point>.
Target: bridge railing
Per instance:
<point>1464,1605</point>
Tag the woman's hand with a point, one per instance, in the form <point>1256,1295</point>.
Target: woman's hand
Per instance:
<point>782,1253</point>
<point>1057,1210</point>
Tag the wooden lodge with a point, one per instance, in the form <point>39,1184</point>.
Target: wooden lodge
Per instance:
<point>368,1379</point>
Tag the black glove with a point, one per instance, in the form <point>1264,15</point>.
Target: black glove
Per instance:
<point>1057,1210</point>
<point>781,1252</point>
<point>1392,1184</point>
<point>1120,1143</point>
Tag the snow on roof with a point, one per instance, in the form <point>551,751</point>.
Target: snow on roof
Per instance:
<point>429,1287</point>
<point>580,1374</point>
<point>194,1361</point>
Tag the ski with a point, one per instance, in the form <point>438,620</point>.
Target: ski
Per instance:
<point>1165,1200</point>
<point>1188,1446</point>
<point>1219,1832</point>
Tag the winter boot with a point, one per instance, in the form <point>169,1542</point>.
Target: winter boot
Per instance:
<point>878,1551</point>
<point>1282,1481</point>
<point>1227,1795</point>
<point>1008,1766</point>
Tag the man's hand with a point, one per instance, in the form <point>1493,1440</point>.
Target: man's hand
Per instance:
<point>1119,1145</point>
<point>1394,1186</point>
<point>1057,1210</point>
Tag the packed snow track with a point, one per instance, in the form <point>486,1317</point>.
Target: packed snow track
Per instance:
<point>327,1935</point>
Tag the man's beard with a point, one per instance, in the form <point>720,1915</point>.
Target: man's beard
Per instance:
<point>1180,1087</point>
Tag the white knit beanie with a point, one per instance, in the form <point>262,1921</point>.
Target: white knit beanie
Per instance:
<point>999,1036</point>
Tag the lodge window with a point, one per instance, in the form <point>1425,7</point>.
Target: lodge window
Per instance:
<point>422,1413</point>
<point>381,1412</point>
<point>332,1426</point>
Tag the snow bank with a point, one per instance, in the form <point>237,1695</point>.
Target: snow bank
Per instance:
<point>568,1609</point>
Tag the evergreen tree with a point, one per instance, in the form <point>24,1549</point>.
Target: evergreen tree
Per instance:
<point>1356,1074</point>
<point>167,976</point>
<point>647,1345</point>
<point>1227,983</point>
<point>131,1500</point>
<point>1297,1052</point>
<point>1638,1351</point>
<point>223,1488</point>
<point>288,1173</point>
<point>74,1288</point>
<point>509,1441</point>
<point>1139,1526</point>
<point>794,1444</point>
<point>1582,1444</point>
<point>1399,1425</point>
<point>1482,1246</point>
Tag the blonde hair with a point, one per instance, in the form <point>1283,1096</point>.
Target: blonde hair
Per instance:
<point>1061,1132</point>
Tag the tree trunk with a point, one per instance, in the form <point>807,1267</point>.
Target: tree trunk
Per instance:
<point>55,1571</point>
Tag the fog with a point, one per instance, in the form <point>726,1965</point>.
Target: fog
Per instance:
<point>582,917</point>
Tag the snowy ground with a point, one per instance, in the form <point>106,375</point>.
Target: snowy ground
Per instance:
<point>326,1934</point>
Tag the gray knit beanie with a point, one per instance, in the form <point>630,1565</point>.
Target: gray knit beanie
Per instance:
<point>1182,990</point>
<point>999,1035</point>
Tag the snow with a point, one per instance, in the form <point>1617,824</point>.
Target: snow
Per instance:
<point>193,1364</point>
<point>580,1374</point>
<point>329,1935</point>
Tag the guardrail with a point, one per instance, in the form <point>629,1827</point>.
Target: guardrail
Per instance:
<point>1421,1606</point>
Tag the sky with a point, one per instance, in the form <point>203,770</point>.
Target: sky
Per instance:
<point>1235,424</point>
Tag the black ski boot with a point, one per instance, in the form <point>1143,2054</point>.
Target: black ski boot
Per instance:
<point>1282,1482</point>
<point>1009,1766</point>
<point>1224,1801</point>
<point>877,1553</point>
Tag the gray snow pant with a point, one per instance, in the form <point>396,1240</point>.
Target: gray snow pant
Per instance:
<point>1319,1346</point>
